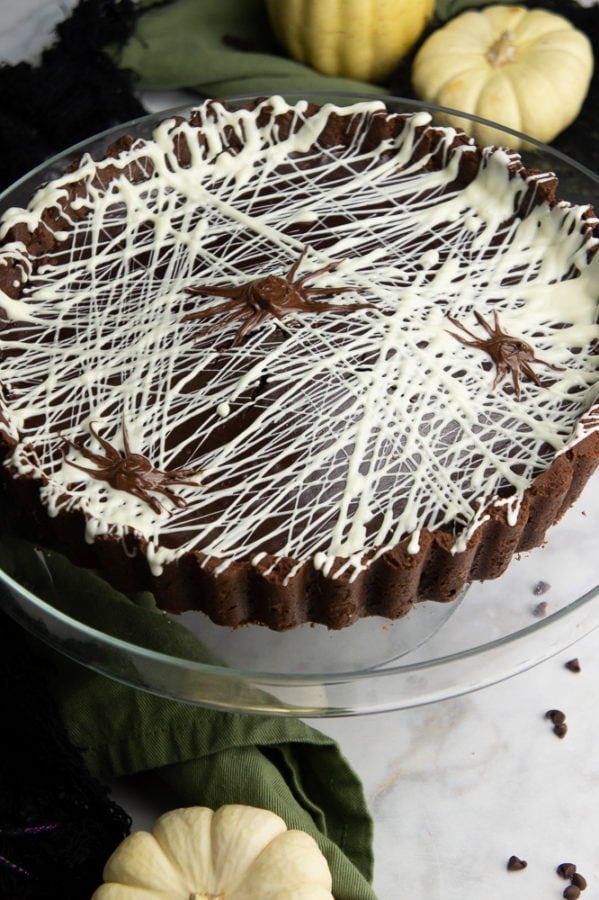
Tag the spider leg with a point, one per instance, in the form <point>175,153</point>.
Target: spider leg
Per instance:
<point>125,435</point>
<point>330,267</point>
<point>111,451</point>
<point>95,473</point>
<point>212,310</point>
<point>502,371</point>
<point>482,321</point>
<point>146,497</point>
<point>319,292</point>
<point>350,306</point>
<point>220,325</point>
<point>88,454</point>
<point>462,328</point>
<point>213,291</point>
<point>549,365</point>
<point>165,490</point>
<point>516,382</point>
<point>336,307</point>
<point>69,443</point>
<point>291,273</point>
<point>462,340</point>
<point>175,476</point>
<point>530,373</point>
<point>251,322</point>
<point>176,483</point>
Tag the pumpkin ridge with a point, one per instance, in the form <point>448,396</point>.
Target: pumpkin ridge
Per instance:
<point>544,83</point>
<point>559,43</point>
<point>234,819</point>
<point>571,53</point>
<point>473,74</point>
<point>181,822</point>
<point>495,85</point>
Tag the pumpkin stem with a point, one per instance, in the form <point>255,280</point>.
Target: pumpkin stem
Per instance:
<point>502,51</point>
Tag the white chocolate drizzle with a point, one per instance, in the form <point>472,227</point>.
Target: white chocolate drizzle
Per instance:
<point>340,441</point>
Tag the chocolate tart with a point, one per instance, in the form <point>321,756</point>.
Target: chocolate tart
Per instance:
<point>288,364</point>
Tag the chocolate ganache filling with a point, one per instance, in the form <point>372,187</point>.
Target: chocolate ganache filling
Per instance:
<point>327,335</point>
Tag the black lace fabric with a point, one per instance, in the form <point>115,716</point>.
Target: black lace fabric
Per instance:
<point>58,825</point>
<point>73,92</point>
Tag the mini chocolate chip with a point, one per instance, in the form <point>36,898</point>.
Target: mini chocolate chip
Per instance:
<point>540,609</point>
<point>566,870</point>
<point>561,730</point>
<point>579,881</point>
<point>515,864</point>
<point>541,587</point>
<point>556,716</point>
<point>571,892</point>
<point>573,665</point>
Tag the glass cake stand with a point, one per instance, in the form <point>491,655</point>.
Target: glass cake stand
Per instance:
<point>545,602</point>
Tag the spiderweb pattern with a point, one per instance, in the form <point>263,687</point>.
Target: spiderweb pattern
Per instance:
<point>320,436</point>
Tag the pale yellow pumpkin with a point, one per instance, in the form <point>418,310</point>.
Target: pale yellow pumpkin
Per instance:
<point>236,853</point>
<point>362,39</point>
<point>528,70</point>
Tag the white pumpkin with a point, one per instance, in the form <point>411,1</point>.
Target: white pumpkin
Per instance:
<point>236,853</point>
<point>528,70</point>
<point>363,39</point>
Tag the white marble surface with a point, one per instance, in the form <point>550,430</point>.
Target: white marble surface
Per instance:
<point>455,787</point>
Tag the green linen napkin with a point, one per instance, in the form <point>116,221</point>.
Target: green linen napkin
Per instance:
<point>196,45</point>
<point>206,757</point>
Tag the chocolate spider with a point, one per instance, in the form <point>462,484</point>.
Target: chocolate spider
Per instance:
<point>273,295</point>
<point>132,472</point>
<point>509,354</point>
